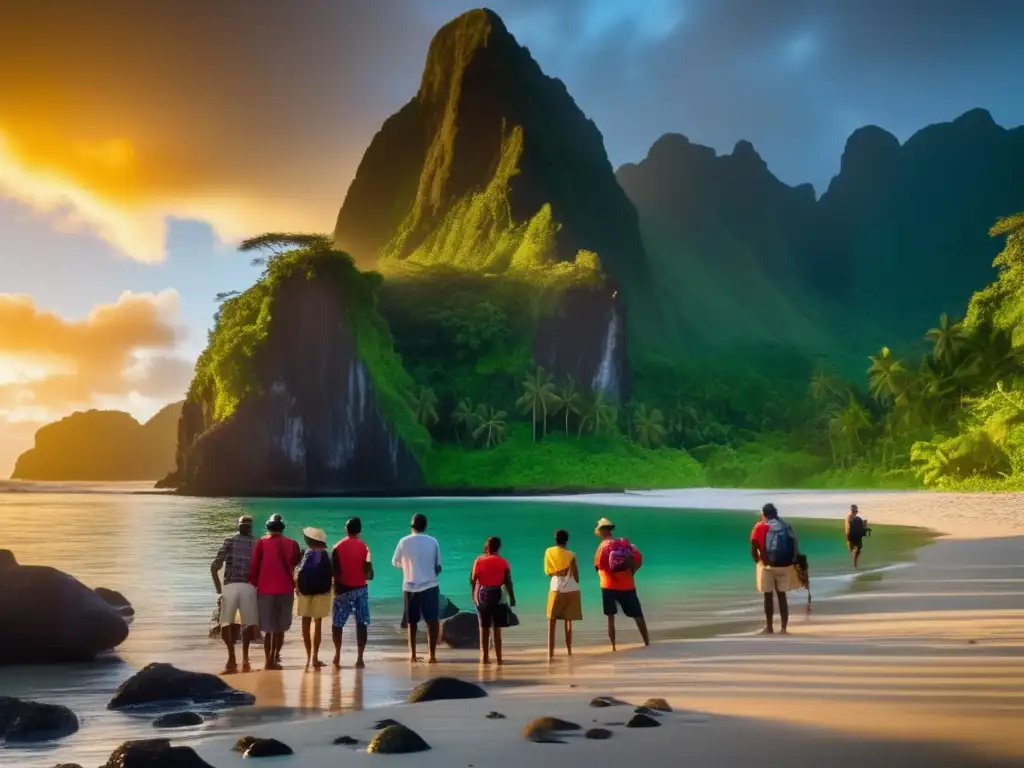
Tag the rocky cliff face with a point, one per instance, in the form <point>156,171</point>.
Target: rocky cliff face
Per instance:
<point>313,423</point>
<point>724,232</point>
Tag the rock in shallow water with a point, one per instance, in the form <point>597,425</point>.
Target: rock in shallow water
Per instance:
<point>47,616</point>
<point>441,688</point>
<point>178,720</point>
<point>25,722</point>
<point>115,600</point>
<point>397,740</point>
<point>267,748</point>
<point>162,683</point>
<point>461,631</point>
<point>154,753</point>
<point>602,702</point>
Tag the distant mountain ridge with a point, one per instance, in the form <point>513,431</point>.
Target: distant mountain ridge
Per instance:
<point>899,236</point>
<point>102,446</point>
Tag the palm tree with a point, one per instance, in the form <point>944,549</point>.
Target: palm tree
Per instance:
<point>424,405</point>
<point>491,425</point>
<point>946,339</point>
<point>649,427</point>
<point>538,396</point>
<point>823,385</point>
<point>994,353</point>
<point>465,416</point>
<point>599,414</point>
<point>280,243</point>
<point>885,376</point>
<point>567,399</point>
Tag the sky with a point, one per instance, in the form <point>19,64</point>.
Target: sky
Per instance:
<point>140,141</point>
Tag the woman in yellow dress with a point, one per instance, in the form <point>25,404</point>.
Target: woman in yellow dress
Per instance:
<point>564,602</point>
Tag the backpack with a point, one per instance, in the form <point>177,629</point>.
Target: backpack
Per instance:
<point>779,544</point>
<point>620,556</point>
<point>856,528</point>
<point>315,572</point>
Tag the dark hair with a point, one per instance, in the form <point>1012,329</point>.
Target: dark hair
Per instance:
<point>419,523</point>
<point>853,508</point>
<point>275,524</point>
<point>769,511</point>
<point>354,526</point>
<point>561,537</point>
<point>492,545</point>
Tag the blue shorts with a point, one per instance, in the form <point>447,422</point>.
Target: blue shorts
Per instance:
<point>422,606</point>
<point>355,601</point>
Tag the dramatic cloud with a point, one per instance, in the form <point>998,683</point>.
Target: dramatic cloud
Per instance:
<point>49,364</point>
<point>253,114</point>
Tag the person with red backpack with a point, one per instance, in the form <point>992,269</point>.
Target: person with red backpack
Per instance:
<point>773,546</point>
<point>616,562</point>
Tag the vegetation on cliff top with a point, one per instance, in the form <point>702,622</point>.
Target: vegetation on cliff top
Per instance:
<point>228,370</point>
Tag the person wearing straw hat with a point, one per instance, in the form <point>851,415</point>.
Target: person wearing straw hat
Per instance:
<point>313,587</point>
<point>272,573</point>
<point>237,595</point>
<point>616,562</point>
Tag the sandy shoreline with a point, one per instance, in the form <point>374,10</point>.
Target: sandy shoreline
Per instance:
<point>924,665</point>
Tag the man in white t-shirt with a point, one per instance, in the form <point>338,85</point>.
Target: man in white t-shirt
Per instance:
<point>419,557</point>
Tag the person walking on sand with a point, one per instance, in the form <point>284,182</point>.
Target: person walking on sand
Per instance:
<point>352,569</point>
<point>238,596</point>
<point>774,548</point>
<point>564,599</point>
<point>313,587</point>
<point>272,572</point>
<point>856,529</point>
<point>616,562</point>
<point>489,578</point>
<point>419,557</point>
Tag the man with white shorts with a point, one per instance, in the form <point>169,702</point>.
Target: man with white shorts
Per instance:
<point>773,546</point>
<point>238,596</point>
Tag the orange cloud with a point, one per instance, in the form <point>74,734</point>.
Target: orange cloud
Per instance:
<point>49,365</point>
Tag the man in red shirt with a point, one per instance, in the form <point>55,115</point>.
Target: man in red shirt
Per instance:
<point>618,586</point>
<point>352,571</point>
<point>774,560</point>
<point>272,572</point>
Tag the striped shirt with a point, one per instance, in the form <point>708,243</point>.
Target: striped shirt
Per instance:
<point>235,555</point>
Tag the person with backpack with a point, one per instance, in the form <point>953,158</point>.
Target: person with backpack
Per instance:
<point>313,587</point>
<point>490,580</point>
<point>272,572</point>
<point>773,545</point>
<point>616,562</point>
<point>856,530</point>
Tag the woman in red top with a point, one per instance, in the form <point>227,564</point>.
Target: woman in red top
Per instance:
<point>491,573</point>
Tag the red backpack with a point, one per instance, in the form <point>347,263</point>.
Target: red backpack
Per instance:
<point>620,556</point>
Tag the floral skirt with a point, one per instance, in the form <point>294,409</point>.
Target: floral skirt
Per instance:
<point>565,606</point>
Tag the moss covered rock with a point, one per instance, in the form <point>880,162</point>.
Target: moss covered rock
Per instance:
<point>442,688</point>
<point>397,740</point>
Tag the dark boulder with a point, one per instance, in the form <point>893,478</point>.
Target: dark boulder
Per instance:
<point>385,723</point>
<point>461,631</point>
<point>601,702</point>
<point>7,559</point>
<point>154,753</point>
<point>267,748</point>
<point>441,688</point>
<point>178,720</point>
<point>544,730</point>
<point>658,704</point>
<point>647,711</point>
<point>24,722</point>
<point>448,609</point>
<point>346,741</point>
<point>397,740</point>
<point>642,721</point>
<point>116,600</point>
<point>243,743</point>
<point>598,733</point>
<point>165,684</point>
<point>31,596</point>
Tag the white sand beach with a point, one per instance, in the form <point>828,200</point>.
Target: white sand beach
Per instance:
<point>922,665</point>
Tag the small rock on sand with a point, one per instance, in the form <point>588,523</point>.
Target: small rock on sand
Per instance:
<point>441,688</point>
<point>267,748</point>
<point>495,716</point>
<point>606,701</point>
<point>145,753</point>
<point>178,720</point>
<point>385,723</point>
<point>543,730</point>
<point>397,740</point>
<point>598,733</point>
<point>346,741</point>
<point>659,704</point>
<point>642,721</point>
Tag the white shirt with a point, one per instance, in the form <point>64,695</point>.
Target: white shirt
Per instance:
<point>418,555</point>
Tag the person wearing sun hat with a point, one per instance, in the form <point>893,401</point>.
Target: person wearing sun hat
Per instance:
<point>272,573</point>
<point>616,562</point>
<point>314,592</point>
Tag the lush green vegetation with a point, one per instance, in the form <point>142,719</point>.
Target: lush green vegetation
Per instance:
<point>228,370</point>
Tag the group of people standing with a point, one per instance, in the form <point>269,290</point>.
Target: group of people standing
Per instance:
<point>267,580</point>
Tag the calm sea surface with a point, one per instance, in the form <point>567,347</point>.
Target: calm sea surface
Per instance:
<point>156,549</point>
